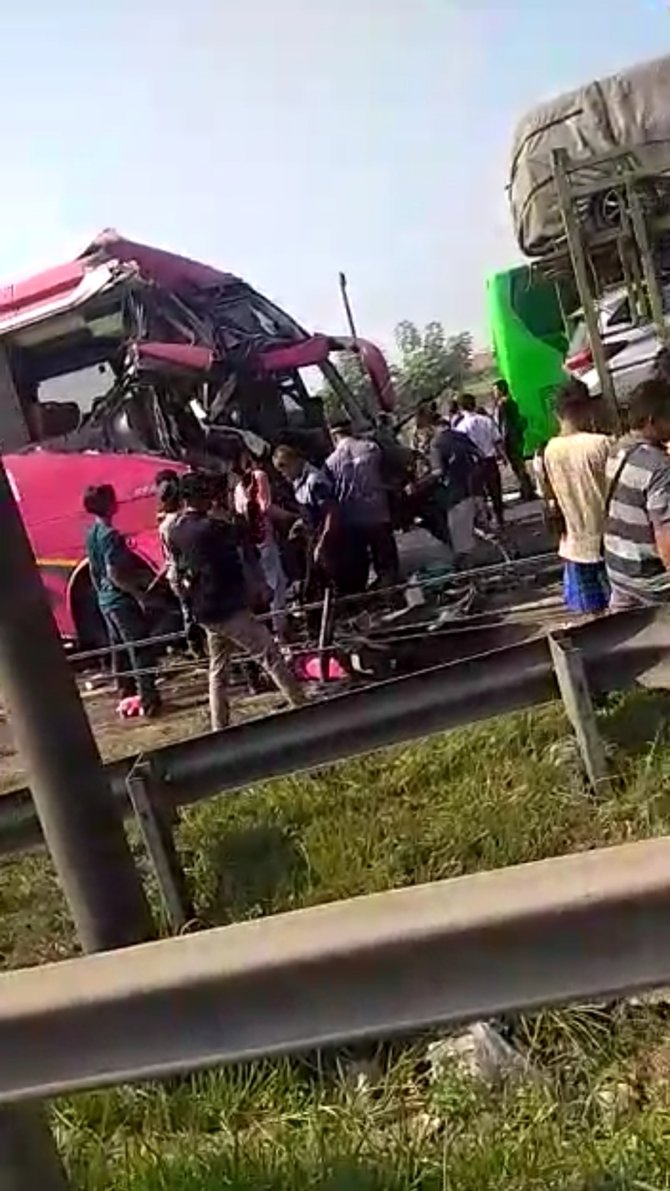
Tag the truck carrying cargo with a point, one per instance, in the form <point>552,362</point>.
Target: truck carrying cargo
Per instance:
<point>628,111</point>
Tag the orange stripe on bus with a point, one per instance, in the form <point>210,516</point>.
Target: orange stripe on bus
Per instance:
<point>58,562</point>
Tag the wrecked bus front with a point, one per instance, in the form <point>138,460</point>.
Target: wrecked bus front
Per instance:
<point>129,359</point>
<point>173,350</point>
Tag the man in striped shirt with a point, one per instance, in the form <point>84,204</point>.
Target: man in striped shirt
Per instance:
<point>637,529</point>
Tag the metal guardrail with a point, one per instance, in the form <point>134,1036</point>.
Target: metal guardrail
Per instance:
<point>588,925</point>
<point>616,650</point>
<point>537,565</point>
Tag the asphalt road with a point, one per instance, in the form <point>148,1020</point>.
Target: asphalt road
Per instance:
<point>524,536</point>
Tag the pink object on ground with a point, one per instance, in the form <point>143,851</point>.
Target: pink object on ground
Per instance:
<point>130,707</point>
<point>308,668</point>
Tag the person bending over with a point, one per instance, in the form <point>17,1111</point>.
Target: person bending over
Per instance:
<point>315,499</point>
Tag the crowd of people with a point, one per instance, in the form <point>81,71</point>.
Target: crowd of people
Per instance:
<point>232,549</point>
<point>214,570</point>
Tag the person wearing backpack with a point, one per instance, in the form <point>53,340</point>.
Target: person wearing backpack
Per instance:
<point>453,482</point>
<point>210,572</point>
<point>574,483</point>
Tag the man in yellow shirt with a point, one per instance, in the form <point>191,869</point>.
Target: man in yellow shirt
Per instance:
<point>575,463</point>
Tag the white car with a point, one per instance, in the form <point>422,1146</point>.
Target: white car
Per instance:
<point>630,350</point>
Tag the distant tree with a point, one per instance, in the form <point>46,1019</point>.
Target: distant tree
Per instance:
<point>431,364</point>
<point>355,376</point>
<point>408,338</point>
<point>460,350</point>
<point>357,381</point>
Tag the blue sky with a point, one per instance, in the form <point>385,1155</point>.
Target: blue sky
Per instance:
<point>287,139</point>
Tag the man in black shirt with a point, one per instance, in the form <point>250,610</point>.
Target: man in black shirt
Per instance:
<point>210,571</point>
<point>511,425</point>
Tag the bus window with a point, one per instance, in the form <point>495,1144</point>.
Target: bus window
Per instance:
<point>64,401</point>
<point>537,307</point>
<point>83,386</point>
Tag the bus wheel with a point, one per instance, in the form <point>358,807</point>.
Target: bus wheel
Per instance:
<point>88,622</point>
<point>161,610</point>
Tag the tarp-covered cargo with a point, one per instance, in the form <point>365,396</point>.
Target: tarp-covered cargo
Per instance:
<point>630,110</point>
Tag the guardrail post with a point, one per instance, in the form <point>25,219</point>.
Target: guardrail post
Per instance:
<point>572,683</point>
<point>28,1158</point>
<point>326,633</point>
<point>156,828</point>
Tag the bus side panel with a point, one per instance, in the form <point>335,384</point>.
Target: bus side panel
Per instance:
<point>49,488</point>
<point>531,365</point>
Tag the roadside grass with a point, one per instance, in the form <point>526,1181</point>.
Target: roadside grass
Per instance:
<point>595,1117</point>
<point>587,1122</point>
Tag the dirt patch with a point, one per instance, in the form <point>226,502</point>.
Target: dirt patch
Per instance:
<point>185,715</point>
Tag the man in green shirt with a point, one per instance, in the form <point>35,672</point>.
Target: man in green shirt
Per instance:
<point>119,597</point>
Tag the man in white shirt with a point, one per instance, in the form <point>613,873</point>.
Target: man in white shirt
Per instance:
<point>575,480</point>
<point>483,432</point>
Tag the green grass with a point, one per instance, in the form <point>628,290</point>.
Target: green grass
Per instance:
<point>282,1125</point>
<point>596,1117</point>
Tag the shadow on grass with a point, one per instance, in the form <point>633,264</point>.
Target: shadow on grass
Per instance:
<point>614,1182</point>
<point>639,722</point>
<point>289,1174</point>
<point>419,1167</point>
<point>255,867</point>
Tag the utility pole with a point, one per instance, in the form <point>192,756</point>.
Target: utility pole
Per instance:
<point>82,829</point>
